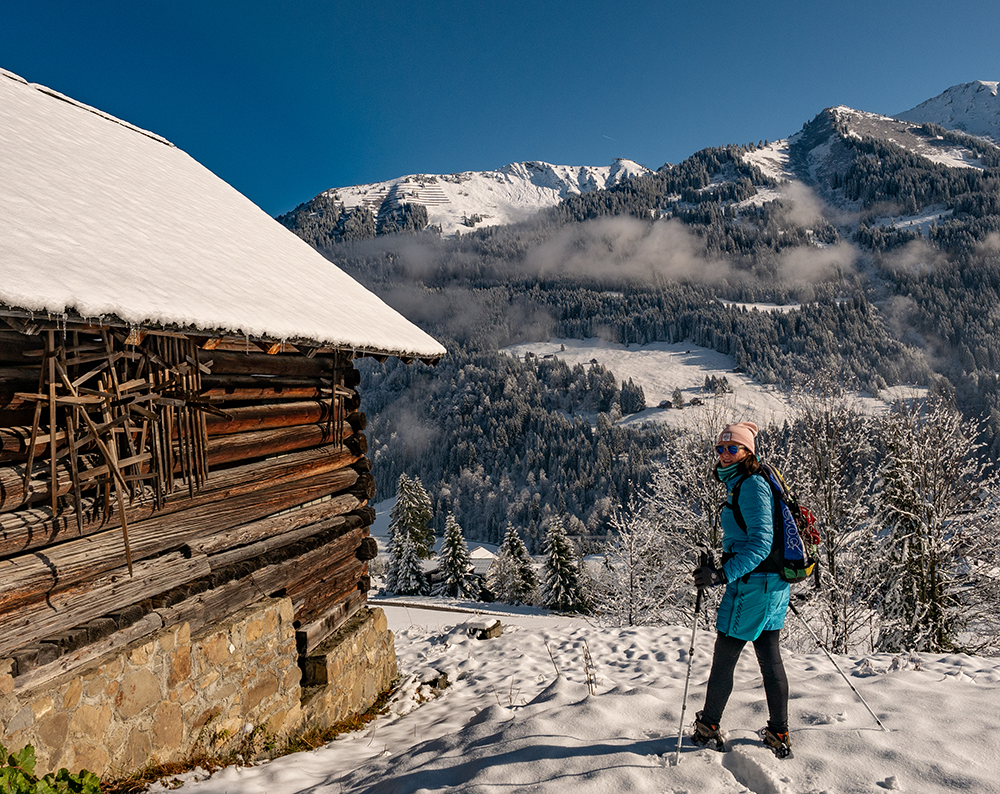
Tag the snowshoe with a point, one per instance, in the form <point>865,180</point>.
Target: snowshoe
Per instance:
<point>778,742</point>
<point>707,734</point>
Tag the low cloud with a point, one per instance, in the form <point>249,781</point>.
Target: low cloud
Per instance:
<point>810,264</point>
<point>805,208</point>
<point>626,248</point>
<point>917,257</point>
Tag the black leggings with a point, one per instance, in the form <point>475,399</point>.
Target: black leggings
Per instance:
<point>720,680</point>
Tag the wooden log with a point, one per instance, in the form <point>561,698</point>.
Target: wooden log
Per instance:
<point>267,417</point>
<point>29,529</point>
<point>309,635</point>
<point>364,489</point>
<point>26,577</point>
<point>357,443</point>
<point>256,363</point>
<point>368,550</point>
<point>246,446</point>
<point>36,676</point>
<point>15,442</point>
<point>329,560</point>
<point>310,604</point>
<point>199,610</point>
<point>68,607</point>
<point>221,451</point>
<point>228,392</point>
<point>275,532</point>
<point>214,604</point>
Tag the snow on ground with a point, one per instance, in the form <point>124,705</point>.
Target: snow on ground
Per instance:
<point>661,367</point>
<point>921,222</point>
<point>772,160</point>
<point>518,715</point>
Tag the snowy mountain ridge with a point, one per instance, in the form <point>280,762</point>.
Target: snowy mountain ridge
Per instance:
<point>973,108</point>
<point>467,200</point>
<point>473,199</point>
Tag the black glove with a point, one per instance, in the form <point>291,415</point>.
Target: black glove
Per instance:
<point>708,576</point>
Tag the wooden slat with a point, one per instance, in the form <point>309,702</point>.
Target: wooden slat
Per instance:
<point>29,529</point>
<point>272,532</point>
<point>72,606</point>
<point>267,417</point>
<point>24,577</point>
<point>309,635</point>
<point>145,627</point>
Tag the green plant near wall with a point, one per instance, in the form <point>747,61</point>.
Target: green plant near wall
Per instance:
<point>17,776</point>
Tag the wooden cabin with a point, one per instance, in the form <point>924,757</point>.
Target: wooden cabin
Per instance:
<point>184,491</point>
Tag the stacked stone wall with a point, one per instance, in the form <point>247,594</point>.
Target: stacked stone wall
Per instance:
<point>177,696</point>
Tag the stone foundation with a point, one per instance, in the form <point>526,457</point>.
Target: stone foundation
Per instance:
<point>354,665</point>
<point>174,696</point>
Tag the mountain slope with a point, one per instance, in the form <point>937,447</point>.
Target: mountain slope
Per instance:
<point>970,107</point>
<point>463,201</point>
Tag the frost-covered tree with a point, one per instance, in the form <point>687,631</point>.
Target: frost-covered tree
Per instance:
<point>647,563</point>
<point>456,563</point>
<point>512,576</point>
<point>411,515</point>
<point>831,471</point>
<point>409,578</point>
<point>935,587</point>
<point>560,587</point>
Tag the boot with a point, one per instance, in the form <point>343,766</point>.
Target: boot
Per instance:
<point>707,733</point>
<point>777,741</point>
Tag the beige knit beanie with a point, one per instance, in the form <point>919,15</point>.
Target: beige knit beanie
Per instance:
<point>739,433</point>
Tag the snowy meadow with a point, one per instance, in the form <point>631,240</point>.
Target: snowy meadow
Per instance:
<point>526,711</point>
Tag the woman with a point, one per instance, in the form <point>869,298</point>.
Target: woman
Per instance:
<point>754,604</point>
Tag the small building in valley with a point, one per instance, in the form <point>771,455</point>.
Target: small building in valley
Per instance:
<point>184,489</point>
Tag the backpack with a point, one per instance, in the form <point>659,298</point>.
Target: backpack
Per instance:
<point>795,548</point>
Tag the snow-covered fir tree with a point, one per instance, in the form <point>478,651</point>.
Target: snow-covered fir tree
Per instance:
<point>409,577</point>
<point>411,514</point>
<point>456,564</point>
<point>560,587</point>
<point>512,578</point>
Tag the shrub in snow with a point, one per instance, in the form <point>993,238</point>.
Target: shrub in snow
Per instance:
<point>937,572</point>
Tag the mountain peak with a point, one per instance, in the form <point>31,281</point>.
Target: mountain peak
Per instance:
<point>472,199</point>
<point>970,107</point>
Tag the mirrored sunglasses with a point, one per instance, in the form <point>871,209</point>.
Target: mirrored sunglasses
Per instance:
<point>732,449</point>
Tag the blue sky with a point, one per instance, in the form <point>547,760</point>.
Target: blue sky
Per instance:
<point>286,99</point>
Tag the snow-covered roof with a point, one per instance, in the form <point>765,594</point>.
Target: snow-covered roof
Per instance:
<point>103,220</point>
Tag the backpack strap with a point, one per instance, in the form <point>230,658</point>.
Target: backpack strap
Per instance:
<point>770,563</point>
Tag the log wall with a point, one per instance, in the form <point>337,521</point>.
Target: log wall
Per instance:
<point>151,480</point>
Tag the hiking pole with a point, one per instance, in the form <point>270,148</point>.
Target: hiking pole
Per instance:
<point>833,661</point>
<point>687,679</point>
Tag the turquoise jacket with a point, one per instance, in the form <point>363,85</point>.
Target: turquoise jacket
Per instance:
<point>753,602</point>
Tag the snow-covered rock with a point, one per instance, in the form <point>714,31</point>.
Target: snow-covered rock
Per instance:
<point>473,199</point>
<point>970,107</point>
